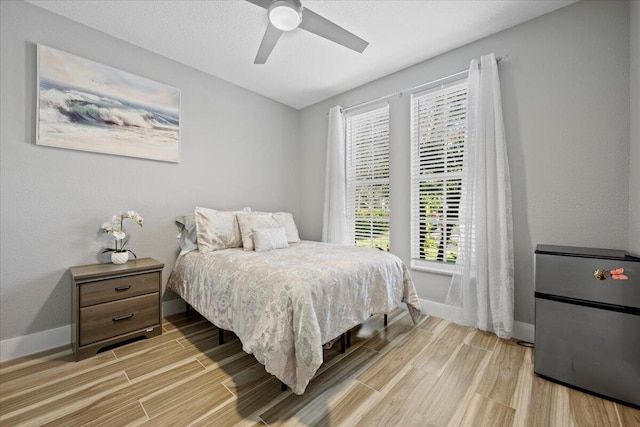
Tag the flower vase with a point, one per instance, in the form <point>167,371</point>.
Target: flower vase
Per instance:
<point>119,257</point>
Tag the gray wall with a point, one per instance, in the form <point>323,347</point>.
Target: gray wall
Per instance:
<point>238,149</point>
<point>634,157</point>
<point>565,88</point>
<point>565,91</point>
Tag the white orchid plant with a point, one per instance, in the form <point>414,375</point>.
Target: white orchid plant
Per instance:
<point>116,227</point>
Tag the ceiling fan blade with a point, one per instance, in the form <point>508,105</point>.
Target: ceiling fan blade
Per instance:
<point>316,24</point>
<point>271,37</point>
<point>262,3</point>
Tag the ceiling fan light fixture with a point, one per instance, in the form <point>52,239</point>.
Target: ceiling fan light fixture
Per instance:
<point>285,15</point>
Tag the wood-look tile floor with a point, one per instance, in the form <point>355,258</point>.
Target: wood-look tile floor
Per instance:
<point>436,374</point>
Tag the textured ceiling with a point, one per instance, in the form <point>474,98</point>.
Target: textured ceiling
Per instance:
<point>222,37</point>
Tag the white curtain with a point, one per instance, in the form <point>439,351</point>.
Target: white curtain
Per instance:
<point>481,292</point>
<point>334,221</point>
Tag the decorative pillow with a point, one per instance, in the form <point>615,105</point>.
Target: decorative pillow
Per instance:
<point>251,221</point>
<point>268,238</point>
<point>286,220</point>
<point>188,237</point>
<point>217,229</point>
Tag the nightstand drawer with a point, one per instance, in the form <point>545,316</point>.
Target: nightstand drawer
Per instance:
<point>118,288</point>
<point>110,319</point>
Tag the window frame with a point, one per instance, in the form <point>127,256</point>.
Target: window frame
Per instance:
<point>417,178</point>
<point>352,184</point>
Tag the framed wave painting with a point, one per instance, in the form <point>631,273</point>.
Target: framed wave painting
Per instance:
<point>88,106</point>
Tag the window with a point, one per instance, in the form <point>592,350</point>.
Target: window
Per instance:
<point>438,137</point>
<point>368,178</point>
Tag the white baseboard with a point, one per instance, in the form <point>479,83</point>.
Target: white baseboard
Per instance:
<point>524,331</point>
<point>40,341</point>
<point>13,348</point>
<point>33,343</point>
<point>521,331</point>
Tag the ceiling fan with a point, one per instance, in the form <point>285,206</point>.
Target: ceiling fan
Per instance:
<point>287,15</point>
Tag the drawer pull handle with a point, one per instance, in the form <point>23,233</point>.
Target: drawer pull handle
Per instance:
<point>125,317</point>
<point>123,288</point>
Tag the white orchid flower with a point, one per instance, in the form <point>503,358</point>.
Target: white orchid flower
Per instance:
<point>116,227</point>
<point>135,216</point>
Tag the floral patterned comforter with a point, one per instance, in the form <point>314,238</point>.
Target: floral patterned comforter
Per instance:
<point>284,304</point>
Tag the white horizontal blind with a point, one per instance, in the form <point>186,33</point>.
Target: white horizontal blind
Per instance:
<point>368,178</point>
<point>438,137</point>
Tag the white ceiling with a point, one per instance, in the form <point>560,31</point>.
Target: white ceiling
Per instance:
<point>222,37</point>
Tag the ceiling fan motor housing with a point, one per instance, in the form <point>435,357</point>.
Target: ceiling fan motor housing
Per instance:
<point>285,15</point>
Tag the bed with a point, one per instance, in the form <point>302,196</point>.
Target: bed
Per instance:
<point>285,304</point>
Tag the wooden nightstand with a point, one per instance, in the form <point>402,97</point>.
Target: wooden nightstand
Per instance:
<point>114,303</point>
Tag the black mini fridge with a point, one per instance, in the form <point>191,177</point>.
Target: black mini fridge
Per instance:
<point>587,324</point>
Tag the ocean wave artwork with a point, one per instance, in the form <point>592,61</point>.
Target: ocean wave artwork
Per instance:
<point>85,105</point>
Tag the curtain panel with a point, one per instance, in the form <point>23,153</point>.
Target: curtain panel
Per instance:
<point>481,292</point>
<point>334,221</point>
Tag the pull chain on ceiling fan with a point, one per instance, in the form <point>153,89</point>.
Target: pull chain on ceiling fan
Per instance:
<point>287,15</point>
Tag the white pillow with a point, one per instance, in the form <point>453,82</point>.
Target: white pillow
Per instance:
<point>286,220</point>
<point>250,221</point>
<point>217,229</point>
<point>268,238</point>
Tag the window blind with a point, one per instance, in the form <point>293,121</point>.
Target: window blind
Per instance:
<point>438,137</point>
<point>367,173</point>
